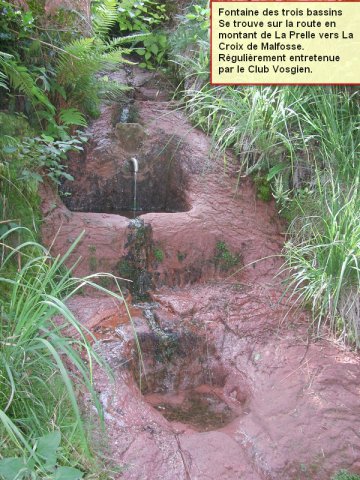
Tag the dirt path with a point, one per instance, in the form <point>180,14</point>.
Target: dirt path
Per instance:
<point>233,389</point>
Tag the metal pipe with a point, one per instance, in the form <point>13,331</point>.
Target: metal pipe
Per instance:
<point>135,164</point>
<point>136,169</point>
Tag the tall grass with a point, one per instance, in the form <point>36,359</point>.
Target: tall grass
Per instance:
<point>323,260</point>
<point>305,142</point>
<point>46,359</point>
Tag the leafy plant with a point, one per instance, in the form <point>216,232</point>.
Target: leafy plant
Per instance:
<point>38,156</point>
<point>105,15</point>
<point>19,78</point>
<point>193,27</point>
<point>145,16</point>
<point>154,51</point>
<point>199,15</point>
<point>40,463</point>
<point>68,87</point>
<point>140,15</point>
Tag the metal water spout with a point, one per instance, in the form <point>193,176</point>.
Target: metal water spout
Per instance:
<point>136,169</point>
<point>135,164</point>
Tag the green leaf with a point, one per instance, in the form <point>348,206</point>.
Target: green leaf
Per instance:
<point>8,150</point>
<point>67,473</point>
<point>27,18</point>
<point>162,40</point>
<point>10,468</point>
<point>154,48</point>
<point>67,176</point>
<point>47,448</point>
<point>72,116</point>
<point>47,138</point>
<point>3,229</point>
<point>275,170</point>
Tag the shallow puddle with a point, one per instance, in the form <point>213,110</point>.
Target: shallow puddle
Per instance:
<point>202,408</point>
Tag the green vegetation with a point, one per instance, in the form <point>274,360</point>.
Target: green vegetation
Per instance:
<point>224,258</point>
<point>345,475</point>
<point>53,76</point>
<point>159,254</point>
<point>93,264</point>
<point>145,17</point>
<point>45,357</point>
<point>263,187</point>
<point>42,458</point>
<point>126,269</point>
<point>301,146</point>
<point>135,265</point>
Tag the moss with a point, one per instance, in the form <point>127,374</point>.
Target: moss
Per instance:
<point>224,258</point>
<point>159,255</point>
<point>181,256</point>
<point>263,188</point>
<point>126,269</point>
<point>93,264</point>
<point>136,265</point>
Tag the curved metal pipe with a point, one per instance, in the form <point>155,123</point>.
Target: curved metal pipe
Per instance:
<point>135,164</point>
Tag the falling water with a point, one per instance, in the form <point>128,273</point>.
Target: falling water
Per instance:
<point>135,174</point>
<point>136,167</point>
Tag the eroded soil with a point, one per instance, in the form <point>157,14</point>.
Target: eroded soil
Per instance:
<point>230,386</point>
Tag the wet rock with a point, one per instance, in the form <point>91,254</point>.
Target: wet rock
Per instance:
<point>295,415</point>
<point>130,135</point>
<point>136,264</point>
<point>210,329</point>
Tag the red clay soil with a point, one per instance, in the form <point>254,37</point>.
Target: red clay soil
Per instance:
<point>292,405</point>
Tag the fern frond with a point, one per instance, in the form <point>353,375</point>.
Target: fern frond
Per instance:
<point>111,90</point>
<point>115,42</point>
<point>20,79</point>
<point>3,79</point>
<point>105,15</point>
<point>79,59</point>
<point>72,116</point>
<point>114,57</point>
<point>78,65</point>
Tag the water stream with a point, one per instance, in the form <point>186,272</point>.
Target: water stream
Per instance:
<point>134,206</point>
